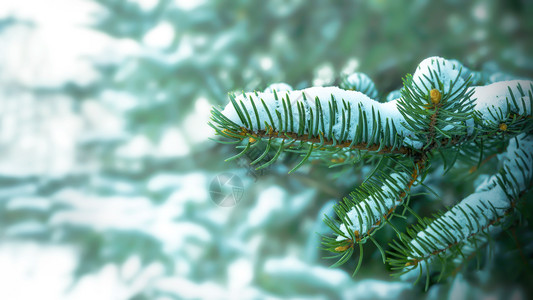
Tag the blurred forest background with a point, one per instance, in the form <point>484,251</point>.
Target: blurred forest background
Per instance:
<point>105,161</point>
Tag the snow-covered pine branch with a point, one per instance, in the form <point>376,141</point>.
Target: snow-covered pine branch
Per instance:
<point>436,103</point>
<point>475,214</point>
<point>438,110</point>
<point>373,211</point>
<point>331,112</point>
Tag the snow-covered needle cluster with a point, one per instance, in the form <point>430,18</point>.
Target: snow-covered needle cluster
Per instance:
<point>444,114</point>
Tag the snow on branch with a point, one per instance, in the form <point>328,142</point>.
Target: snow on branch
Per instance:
<point>328,111</point>
<point>478,212</point>
<point>497,100</point>
<point>437,104</point>
<point>374,210</point>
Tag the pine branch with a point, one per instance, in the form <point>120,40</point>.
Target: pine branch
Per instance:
<point>355,122</point>
<point>438,111</point>
<point>477,213</point>
<point>432,113</point>
<point>360,82</point>
<point>370,207</point>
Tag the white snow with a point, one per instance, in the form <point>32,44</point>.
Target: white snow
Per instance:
<point>146,5</point>
<point>266,63</point>
<point>172,144</point>
<point>292,268</point>
<point>45,13</point>
<point>189,5</point>
<point>240,274</point>
<point>270,202</point>
<point>164,222</point>
<point>350,66</point>
<point>377,289</point>
<point>119,101</point>
<point>324,75</point>
<point>196,125</point>
<point>35,271</point>
<point>139,147</point>
<point>307,97</point>
<point>26,228</point>
<point>39,134</point>
<point>493,98</point>
<point>30,203</point>
<point>362,81</point>
<point>278,87</point>
<point>446,70</point>
<point>41,56</point>
<point>489,200</point>
<point>372,207</point>
<point>322,282</point>
<point>161,36</point>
